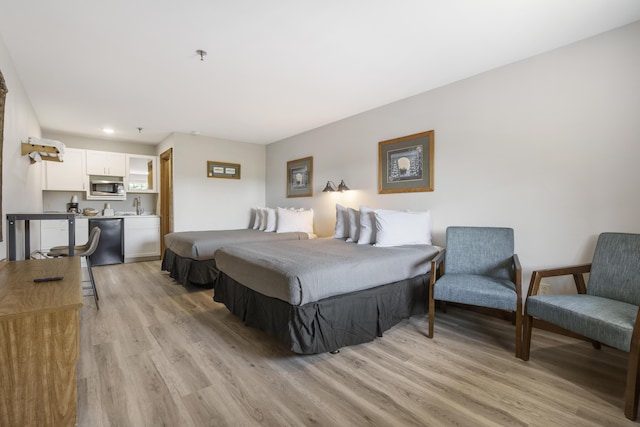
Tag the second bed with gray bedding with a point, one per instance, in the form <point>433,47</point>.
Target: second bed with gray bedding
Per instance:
<point>189,255</point>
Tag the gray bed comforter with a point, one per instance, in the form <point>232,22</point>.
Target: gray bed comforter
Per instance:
<point>301,272</point>
<point>201,245</point>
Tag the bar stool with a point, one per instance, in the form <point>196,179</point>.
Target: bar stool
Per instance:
<point>86,251</point>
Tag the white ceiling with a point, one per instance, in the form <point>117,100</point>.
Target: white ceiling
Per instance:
<point>274,68</point>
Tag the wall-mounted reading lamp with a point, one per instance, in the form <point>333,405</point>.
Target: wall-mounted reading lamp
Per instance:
<point>331,186</point>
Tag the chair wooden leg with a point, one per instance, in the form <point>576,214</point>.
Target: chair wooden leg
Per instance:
<point>526,339</point>
<point>632,391</point>
<point>519,332</point>
<point>432,310</point>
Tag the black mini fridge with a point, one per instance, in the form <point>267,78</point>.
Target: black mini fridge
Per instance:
<point>111,244</point>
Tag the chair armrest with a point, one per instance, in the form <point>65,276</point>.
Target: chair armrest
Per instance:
<point>516,262</point>
<point>437,266</point>
<point>632,372</point>
<point>517,267</point>
<point>577,271</point>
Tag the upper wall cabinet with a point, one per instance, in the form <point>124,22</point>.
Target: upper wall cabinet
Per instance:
<point>106,163</point>
<point>68,175</point>
<point>142,174</point>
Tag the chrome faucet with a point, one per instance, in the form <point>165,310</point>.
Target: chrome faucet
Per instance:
<point>138,205</point>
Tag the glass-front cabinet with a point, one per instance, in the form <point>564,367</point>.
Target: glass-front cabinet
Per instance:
<point>142,173</point>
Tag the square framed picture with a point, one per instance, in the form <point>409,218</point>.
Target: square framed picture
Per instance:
<point>223,170</point>
<point>300,177</point>
<point>405,164</point>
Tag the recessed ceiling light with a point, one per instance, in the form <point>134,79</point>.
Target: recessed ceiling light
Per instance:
<point>108,130</point>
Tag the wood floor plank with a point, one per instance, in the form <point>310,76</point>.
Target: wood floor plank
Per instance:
<point>223,413</point>
<point>453,384</point>
<point>157,353</point>
<point>175,363</point>
<point>113,395</point>
<point>153,400</point>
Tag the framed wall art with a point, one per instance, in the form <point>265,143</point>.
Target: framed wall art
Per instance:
<point>223,170</point>
<point>300,177</point>
<point>405,164</point>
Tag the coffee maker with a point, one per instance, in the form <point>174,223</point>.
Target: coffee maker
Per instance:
<point>72,207</point>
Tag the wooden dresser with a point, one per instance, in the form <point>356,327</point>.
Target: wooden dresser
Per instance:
<point>39,342</point>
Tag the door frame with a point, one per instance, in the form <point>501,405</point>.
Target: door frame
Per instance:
<point>166,196</point>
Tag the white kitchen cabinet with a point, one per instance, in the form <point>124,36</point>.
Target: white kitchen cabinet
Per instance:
<point>68,175</point>
<point>142,173</point>
<point>105,163</point>
<point>141,237</point>
<point>56,233</point>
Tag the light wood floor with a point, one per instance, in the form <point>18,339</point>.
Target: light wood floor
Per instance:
<point>157,354</point>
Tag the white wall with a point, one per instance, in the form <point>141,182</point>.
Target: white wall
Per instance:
<point>21,181</point>
<point>549,146</point>
<point>202,203</point>
<point>165,144</point>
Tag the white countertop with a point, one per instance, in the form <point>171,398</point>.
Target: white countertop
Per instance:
<point>117,215</point>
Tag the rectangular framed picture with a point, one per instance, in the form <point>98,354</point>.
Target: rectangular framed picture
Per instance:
<point>405,164</point>
<point>223,170</point>
<point>300,177</point>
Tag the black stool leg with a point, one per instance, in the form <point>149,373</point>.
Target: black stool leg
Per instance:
<point>93,283</point>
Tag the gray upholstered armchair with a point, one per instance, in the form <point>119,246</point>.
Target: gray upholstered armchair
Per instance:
<point>481,269</point>
<point>605,311</point>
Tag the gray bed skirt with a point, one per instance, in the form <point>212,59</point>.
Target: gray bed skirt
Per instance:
<point>328,324</point>
<point>187,271</point>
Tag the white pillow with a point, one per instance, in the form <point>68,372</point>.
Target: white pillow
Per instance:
<point>397,228</point>
<point>271,220</point>
<point>252,218</point>
<point>256,220</point>
<point>367,226</point>
<point>263,219</point>
<point>342,222</point>
<point>289,221</point>
<point>354,225</point>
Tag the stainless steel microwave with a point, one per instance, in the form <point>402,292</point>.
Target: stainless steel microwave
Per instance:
<point>106,189</point>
